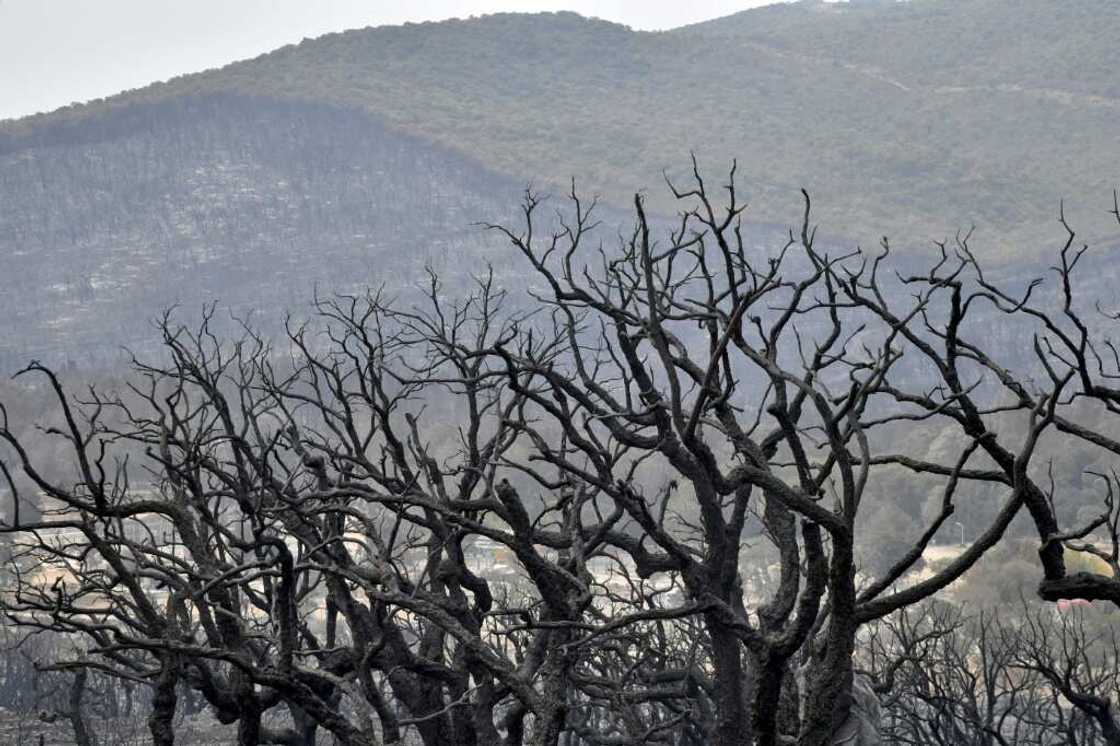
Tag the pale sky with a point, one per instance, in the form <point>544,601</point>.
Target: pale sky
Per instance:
<point>55,52</point>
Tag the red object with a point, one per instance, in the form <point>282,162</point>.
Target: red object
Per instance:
<point>1065,604</point>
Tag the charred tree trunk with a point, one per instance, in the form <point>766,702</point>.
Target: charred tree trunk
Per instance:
<point>733,726</point>
<point>767,680</point>
<point>549,720</point>
<point>164,702</point>
<point>83,736</point>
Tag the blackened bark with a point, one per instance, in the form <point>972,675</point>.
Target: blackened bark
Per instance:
<point>733,726</point>
<point>249,727</point>
<point>549,722</point>
<point>164,701</point>
<point>83,736</point>
<point>767,677</point>
<point>828,686</point>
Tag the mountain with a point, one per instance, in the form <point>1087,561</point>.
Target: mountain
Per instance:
<point>358,157</point>
<point>256,203</point>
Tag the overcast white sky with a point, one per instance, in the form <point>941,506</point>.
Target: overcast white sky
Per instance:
<point>54,52</point>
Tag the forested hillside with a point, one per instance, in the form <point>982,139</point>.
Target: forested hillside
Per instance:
<point>360,157</point>
<point>896,115</point>
<point>251,203</point>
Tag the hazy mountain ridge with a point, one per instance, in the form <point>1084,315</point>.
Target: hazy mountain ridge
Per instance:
<point>909,119</point>
<point>358,158</point>
<point>1037,45</point>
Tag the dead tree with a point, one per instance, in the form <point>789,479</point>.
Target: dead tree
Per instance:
<point>295,532</point>
<point>949,678</point>
<point>1077,661</point>
<point>297,527</point>
<point>1070,344</point>
<point>757,384</point>
<point>1024,674</point>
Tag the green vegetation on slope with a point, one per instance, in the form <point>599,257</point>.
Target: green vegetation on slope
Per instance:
<point>911,119</point>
